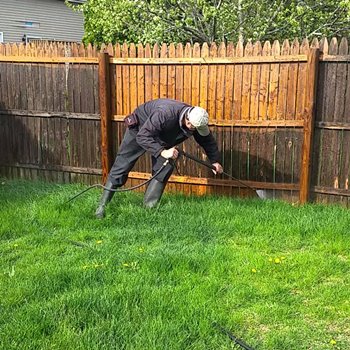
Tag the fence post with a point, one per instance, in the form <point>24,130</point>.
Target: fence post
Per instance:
<point>105,112</point>
<point>309,120</point>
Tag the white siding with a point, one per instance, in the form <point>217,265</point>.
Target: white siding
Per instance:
<point>52,20</point>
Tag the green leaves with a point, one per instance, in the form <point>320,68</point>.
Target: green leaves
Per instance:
<point>211,20</point>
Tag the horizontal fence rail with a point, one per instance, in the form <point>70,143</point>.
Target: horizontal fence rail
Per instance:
<point>282,125</point>
<point>23,59</point>
<point>208,60</point>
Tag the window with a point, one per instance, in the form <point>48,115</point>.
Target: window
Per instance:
<point>28,24</point>
<point>27,38</point>
<point>1,37</point>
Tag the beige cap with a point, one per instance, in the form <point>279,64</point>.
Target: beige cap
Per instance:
<point>198,117</point>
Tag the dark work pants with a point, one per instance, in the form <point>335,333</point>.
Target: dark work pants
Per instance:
<point>129,152</point>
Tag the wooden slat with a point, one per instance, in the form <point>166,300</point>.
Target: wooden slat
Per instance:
<point>322,82</point>
<point>179,85</point>
<point>220,84</point>
<point>195,96</point>
<point>118,83</point>
<point>171,72</point>
<point>273,83</point>
<point>292,83</point>
<point>133,80</point>
<point>74,83</point>
<point>187,70</point>
<point>140,77</point>
<point>341,82</point>
<point>340,138</point>
<point>331,83</point>
<point>301,86</point>
<point>246,83</point>
<point>22,81</point>
<point>204,69</point>
<point>126,81</point>
<point>346,139</point>
<point>332,147</point>
<point>30,86</point>
<point>15,85</point>
<point>163,84</point>
<point>148,75</point>
<point>155,74</point>
<point>229,82</point>
<point>255,81</point>
<point>283,83</point>
<point>319,144</point>
<point>237,88</point>
<point>264,83</point>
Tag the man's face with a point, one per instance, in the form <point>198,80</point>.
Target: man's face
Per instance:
<point>188,124</point>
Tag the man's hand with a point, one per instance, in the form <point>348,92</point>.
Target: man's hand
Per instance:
<point>171,153</point>
<point>218,168</point>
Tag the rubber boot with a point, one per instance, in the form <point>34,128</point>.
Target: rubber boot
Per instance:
<point>106,198</point>
<point>153,193</point>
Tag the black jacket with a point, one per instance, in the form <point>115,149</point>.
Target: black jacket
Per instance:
<point>160,128</point>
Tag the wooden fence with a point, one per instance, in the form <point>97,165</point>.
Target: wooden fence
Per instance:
<point>278,126</point>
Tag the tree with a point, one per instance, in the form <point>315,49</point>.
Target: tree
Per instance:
<point>212,20</point>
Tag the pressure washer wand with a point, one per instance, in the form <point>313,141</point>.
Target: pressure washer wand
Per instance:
<point>212,167</point>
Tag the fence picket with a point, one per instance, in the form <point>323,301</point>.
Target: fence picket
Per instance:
<point>212,81</point>
<point>203,102</point>
<point>187,71</point>
<point>292,82</point>
<point>331,82</point>
<point>126,81</point>
<point>255,80</point>
<point>229,82</point>
<point>246,86</point>
<point>140,77</point>
<point>343,137</point>
<point>273,83</point>
<point>220,85</point>
<point>155,73</point>
<point>179,70</point>
<point>118,83</point>
<point>283,83</point>
<point>264,83</point>
<point>133,80</point>
<point>341,80</point>
<point>163,91</point>
<point>171,72</point>
<point>196,77</point>
<point>237,91</point>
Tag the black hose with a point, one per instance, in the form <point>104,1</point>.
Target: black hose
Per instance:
<point>120,189</point>
<point>181,153</point>
<point>236,340</point>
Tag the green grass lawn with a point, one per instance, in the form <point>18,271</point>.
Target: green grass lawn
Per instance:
<point>275,275</point>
